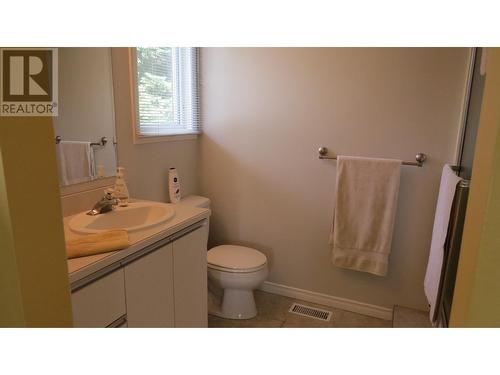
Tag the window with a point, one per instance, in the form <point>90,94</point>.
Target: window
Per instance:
<point>167,91</point>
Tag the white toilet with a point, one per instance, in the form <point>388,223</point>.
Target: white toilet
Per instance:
<point>235,271</point>
<point>233,274</point>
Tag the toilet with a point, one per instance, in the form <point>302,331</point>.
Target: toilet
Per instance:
<point>234,272</point>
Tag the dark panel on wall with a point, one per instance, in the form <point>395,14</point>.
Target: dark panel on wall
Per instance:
<point>469,141</point>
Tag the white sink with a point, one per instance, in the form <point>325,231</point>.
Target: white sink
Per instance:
<point>134,217</point>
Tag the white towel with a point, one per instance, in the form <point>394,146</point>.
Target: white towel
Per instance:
<point>449,181</point>
<point>367,194</point>
<point>76,162</point>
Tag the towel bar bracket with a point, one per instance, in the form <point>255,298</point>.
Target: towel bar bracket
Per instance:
<point>102,141</point>
<point>420,157</point>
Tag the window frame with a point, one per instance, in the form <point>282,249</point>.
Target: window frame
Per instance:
<point>136,136</point>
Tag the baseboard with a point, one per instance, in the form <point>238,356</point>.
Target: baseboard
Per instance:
<point>327,300</point>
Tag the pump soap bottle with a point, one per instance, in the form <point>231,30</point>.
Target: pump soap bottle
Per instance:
<point>121,190</point>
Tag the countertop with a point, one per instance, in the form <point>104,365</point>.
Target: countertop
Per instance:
<point>185,215</point>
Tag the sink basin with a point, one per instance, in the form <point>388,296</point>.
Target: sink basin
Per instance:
<point>134,217</point>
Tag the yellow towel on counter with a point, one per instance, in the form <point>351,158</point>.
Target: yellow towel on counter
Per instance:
<point>98,243</point>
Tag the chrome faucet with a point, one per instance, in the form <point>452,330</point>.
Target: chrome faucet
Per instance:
<point>105,204</point>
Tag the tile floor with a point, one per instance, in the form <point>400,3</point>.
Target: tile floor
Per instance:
<point>273,313</point>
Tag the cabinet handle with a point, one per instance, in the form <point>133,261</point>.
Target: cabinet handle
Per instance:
<point>155,246</point>
<point>99,274</point>
<point>118,322</point>
<point>187,230</point>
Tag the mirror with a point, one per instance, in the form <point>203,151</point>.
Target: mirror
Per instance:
<point>85,128</point>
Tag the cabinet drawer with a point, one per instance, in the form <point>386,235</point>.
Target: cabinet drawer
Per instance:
<point>100,303</point>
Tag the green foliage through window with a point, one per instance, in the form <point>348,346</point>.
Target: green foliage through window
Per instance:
<point>167,90</point>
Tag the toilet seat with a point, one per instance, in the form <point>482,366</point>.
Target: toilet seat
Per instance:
<point>235,259</point>
<point>234,270</point>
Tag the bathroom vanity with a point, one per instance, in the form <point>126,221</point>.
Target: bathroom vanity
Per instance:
<point>159,281</point>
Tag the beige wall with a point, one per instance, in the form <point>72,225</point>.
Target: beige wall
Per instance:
<point>147,164</point>
<point>476,301</point>
<point>266,112</point>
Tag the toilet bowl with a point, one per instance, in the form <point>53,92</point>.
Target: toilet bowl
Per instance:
<point>234,272</point>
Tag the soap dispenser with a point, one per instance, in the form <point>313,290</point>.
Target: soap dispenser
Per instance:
<point>121,190</point>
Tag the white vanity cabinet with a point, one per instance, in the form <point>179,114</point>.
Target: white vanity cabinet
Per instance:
<point>190,280</point>
<point>148,289</point>
<point>162,285</point>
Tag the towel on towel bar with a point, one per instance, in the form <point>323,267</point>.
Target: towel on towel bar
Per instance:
<point>447,188</point>
<point>75,161</point>
<point>366,202</point>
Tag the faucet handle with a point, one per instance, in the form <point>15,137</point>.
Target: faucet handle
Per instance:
<point>110,198</point>
<point>106,204</point>
<point>109,194</point>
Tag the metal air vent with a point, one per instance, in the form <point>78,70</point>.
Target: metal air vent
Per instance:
<point>311,312</point>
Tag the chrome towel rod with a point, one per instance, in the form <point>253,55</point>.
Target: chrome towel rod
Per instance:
<point>102,142</point>
<point>420,157</point>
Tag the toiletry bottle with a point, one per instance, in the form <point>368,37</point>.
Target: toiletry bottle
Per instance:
<point>174,186</point>
<point>101,172</point>
<point>121,190</point>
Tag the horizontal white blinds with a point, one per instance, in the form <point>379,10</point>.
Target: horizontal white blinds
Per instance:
<point>167,91</point>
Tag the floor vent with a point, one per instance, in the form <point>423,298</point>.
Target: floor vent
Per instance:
<point>311,312</point>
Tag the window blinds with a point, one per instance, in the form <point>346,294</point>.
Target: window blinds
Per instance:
<point>167,91</point>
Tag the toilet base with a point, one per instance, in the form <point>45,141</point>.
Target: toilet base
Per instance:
<point>233,292</point>
<point>236,304</point>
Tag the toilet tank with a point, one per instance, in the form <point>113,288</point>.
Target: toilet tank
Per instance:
<point>196,201</point>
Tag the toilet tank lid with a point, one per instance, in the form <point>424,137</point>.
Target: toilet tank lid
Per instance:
<point>235,257</point>
<point>196,201</point>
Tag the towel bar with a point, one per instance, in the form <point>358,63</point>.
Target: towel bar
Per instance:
<point>102,141</point>
<point>420,157</point>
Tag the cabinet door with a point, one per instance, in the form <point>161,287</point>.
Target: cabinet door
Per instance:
<point>190,279</point>
<point>149,290</point>
<point>100,303</point>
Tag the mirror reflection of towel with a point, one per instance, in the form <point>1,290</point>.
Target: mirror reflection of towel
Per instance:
<point>75,161</point>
